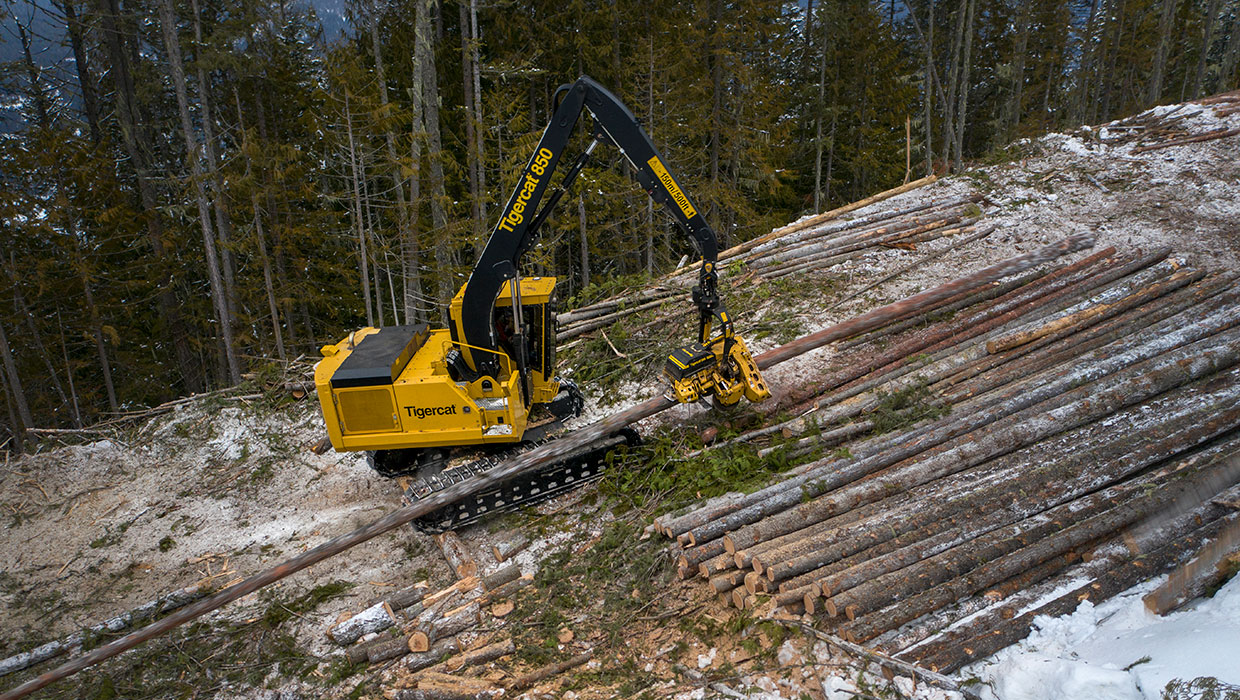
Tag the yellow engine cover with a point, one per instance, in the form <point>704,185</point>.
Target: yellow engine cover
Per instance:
<point>421,407</point>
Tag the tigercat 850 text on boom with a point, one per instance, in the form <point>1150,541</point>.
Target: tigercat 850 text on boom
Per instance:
<point>413,396</point>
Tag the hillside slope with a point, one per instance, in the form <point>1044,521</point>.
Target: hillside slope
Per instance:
<point>224,486</point>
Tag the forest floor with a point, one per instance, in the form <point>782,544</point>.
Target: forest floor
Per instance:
<point>225,486</point>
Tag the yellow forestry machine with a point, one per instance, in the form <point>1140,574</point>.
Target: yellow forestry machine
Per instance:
<point>412,396</point>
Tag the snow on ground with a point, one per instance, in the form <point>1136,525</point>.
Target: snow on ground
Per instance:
<point>1119,650</point>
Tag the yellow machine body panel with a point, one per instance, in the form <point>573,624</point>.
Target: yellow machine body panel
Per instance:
<point>391,388</point>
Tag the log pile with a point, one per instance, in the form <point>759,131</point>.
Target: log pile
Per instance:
<point>425,627</point>
<point>1085,419</point>
<point>816,243</point>
<point>1159,128</point>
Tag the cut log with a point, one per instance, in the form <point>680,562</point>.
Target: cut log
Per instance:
<point>1202,572</point>
<point>376,618</point>
<point>510,548</point>
<point>498,578</point>
<point>1023,416</point>
<point>475,657</point>
<point>994,571</point>
<point>360,653</point>
<point>949,658</point>
<point>506,590</point>
<point>446,690</point>
<point>456,554</point>
<point>441,650</point>
<point>533,678</point>
<point>165,603</point>
<point>385,650</point>
<point>427,633</point>
<point>887,662</point>
<point>1208,136</point>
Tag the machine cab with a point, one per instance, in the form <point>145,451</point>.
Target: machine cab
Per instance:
<point>538,307</point>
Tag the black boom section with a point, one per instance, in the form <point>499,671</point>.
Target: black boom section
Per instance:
<point>518,224</point>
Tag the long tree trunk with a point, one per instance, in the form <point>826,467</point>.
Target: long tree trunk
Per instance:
<point>471,142</point>
<point>962,109</point>
<point>411,248</point>
<point>81,64</point>
<point>1228,78</point>
<point>1014,111</point>
<point>1089,55</point>
<point>137,148</point>
<point>434,147</point>
<point>1166,22</point>
<point>96,328</point>
<point>223,220</point>
<point>15,384</point>
<point>405,213</point>
<point>1207,39</point>
<point>929,82</point>
<point>64,351</point>
<point>25,311</point>
<point>168,24</point>
<point>363,256</point>
<point>953,83</point>
<point>715,61</point>
<point>820,107</point>
<point>260,238</point>
<point>585,242</point>
<point>479,147</point>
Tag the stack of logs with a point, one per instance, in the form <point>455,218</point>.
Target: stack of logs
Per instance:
<point>434,636</point>
<point>816,244</point>
<point>1160,128</point>
<point>1094,412</point>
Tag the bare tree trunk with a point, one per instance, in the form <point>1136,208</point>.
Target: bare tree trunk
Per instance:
<point>223,221</point>
<point>821,106</point>
<point>585,242</point>
<point>715,62</point>
<point>471,142</point>
<point>1166,21</point>
<point>23,310</point>
<point>434,146</point>
<point>15,383</point>
<point>363,261</point>
<point>96,327</point>
<point>411,249</point>
<point>64,351</point>
<point>475,39</point>
<point>81,63</point>
<point>953,83</point>
<point>372,244</point>
<point>137,149</point>
<point>261,238</point>
<point>929,93</point>
<point>168,23</point>
<point>962,111</point>
<point>649,201</point>
<point>1227,77</point>
<point>1014,111</point>
<point>1207,39</point>
<point>406,215</point>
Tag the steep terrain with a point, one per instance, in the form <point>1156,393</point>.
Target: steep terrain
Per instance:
<point>226,485</point>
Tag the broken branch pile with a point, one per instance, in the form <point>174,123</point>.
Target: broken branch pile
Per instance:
<point>1074,427</point>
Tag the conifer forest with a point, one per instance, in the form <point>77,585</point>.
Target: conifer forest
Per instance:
<point>190,189</point>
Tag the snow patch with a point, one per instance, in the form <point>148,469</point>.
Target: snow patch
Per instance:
<point>1119,650</point>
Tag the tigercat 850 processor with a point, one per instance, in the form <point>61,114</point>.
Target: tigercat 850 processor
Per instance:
<point>447,404</point>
